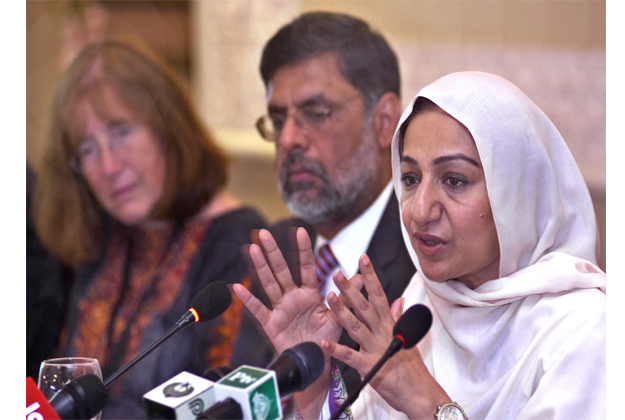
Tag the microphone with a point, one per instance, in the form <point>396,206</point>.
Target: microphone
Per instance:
<point>184,396</point>
<point>298,367</point>
<point>81,398</point>
<point>251,393</point>
<point>409,329</point>
<point>209,303</point>
<point>216,373</point>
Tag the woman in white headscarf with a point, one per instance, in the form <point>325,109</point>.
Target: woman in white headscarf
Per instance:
<point>500,225</point>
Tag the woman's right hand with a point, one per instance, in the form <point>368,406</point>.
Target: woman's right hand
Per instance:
<point>299,313</point>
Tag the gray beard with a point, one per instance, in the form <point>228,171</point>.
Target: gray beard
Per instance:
<point>331,202</point>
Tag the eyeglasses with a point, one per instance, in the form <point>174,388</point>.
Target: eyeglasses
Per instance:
<point>89,150</point>
<point>307,117</point>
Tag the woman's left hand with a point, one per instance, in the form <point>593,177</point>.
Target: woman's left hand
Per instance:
<point>404,381</point>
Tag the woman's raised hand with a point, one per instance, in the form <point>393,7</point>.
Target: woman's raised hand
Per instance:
<point>404,381</point>
<point>299,313</point>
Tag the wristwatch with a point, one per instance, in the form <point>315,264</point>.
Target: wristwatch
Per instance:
<point>450,411</point>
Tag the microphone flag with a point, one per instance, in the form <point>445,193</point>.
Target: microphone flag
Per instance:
<point>37,405</point>
<point>185,396</point>
<point>255,389</point>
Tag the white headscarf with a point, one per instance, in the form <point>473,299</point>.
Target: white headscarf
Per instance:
<point>531,344</point>
<point>539,199</point>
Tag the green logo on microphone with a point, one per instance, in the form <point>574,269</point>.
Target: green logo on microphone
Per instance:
<point>260,389</point>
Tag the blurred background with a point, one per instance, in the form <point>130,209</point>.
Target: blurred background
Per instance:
<point>555,51</point>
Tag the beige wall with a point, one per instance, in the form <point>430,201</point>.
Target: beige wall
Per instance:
<point>553,50</point>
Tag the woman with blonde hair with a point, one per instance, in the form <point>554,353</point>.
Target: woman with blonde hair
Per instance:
<point>131,194</point>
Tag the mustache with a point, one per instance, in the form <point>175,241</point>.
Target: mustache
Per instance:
<point>297,157</point>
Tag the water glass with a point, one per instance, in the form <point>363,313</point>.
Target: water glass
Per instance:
<point>55,373</point>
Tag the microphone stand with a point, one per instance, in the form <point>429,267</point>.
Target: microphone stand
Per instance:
<point>186,320</point>
<point>396,345</point>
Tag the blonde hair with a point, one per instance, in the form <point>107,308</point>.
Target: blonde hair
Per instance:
<point>68,219</point>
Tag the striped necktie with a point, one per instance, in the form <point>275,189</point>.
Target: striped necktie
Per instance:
<point>326,265</point>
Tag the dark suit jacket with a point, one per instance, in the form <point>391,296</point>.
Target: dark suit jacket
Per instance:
<point>388,255</point>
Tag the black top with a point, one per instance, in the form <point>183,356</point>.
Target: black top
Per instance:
<point>47,293</point>
<point>218,257</point>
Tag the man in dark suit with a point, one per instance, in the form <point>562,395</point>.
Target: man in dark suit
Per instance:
<point>333,103</point>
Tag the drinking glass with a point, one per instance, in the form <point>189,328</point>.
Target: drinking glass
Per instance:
<point>55,373</point>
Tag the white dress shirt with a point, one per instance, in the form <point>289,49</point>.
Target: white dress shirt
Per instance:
<point>353,240</point>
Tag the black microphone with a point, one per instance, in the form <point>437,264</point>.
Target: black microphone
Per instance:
<point>248,393</point>
<point>217,373</point>
<point>228,409</point>
<point>209,303</point>
<point>410,328</point>
<point>298,367</point>
<point>81,398</point>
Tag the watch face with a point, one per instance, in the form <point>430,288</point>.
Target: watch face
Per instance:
<point>451,412</point>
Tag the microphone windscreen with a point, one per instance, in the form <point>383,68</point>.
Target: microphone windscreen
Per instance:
<point>413,324</point>
<point>309,358</point>
<point>81,398</point>
<point>95,394</point>
<point>212,301</point>
<point>298,367</point>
